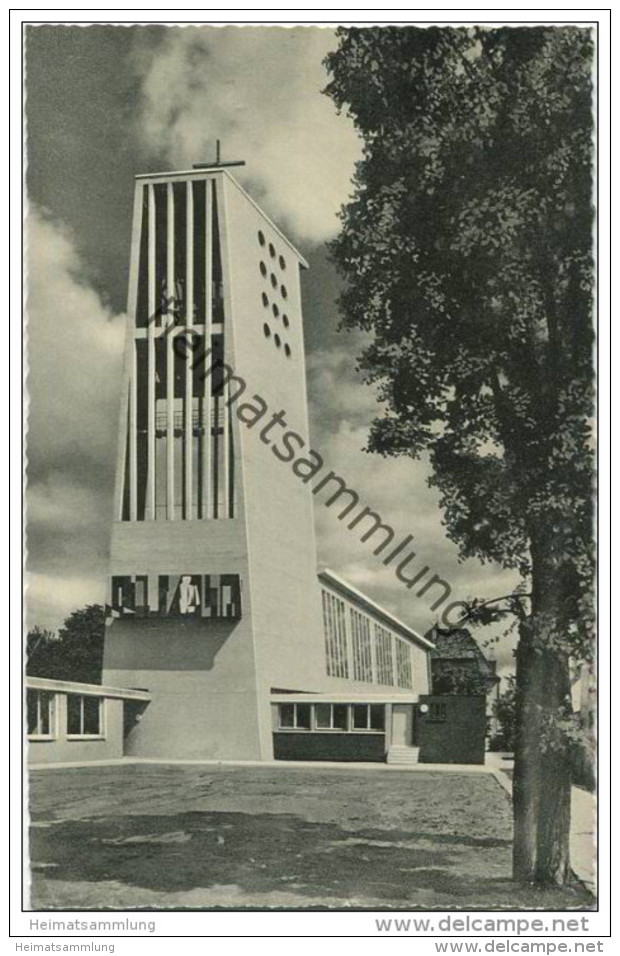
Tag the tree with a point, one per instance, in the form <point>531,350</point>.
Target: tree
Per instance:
<point>75,654</point>
<point>467,253</point>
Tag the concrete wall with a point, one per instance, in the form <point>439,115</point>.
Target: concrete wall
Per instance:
<point>286,612</point>
<point>460,738</point>
<point>347,748</point>
<point>201,673</point>
<point>60,749</point>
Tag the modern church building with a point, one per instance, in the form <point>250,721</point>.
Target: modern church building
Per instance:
<point>222,642</point>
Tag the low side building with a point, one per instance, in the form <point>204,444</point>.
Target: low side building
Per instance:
<point>73,722</point>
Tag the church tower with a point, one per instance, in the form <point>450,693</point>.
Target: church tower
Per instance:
<point>214,599</point>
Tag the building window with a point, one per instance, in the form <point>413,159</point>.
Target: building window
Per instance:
<point>345,718</point>
<point>335,636</point>
<point>383,647</point>
<point>41,713</point>
<point>294,716</point>
<point>204,596</point>
<point>84,716</point>
<point>331,716</point>
<point>368,717</point>
<point>437,712</point>
<point>404,673</point>
<point>362,652</point>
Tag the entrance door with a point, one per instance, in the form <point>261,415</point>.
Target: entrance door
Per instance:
<point>402,725</point>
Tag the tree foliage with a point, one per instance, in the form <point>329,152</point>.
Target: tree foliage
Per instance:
<point>467,247</point>
<point>75,654</point>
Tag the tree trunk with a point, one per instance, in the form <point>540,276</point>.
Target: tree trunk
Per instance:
<point>542,774</point>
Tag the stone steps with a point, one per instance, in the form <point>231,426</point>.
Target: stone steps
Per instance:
<point>403,755</point>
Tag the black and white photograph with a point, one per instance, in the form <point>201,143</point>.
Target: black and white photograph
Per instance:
<point>310,417</point>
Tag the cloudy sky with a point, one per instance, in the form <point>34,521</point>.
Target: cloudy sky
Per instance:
<point>102,104</point>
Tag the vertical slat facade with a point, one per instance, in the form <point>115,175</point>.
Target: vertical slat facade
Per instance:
<point>207,478</point>
<point>192,476</point>
<point>188,510</point>
<point>226,450</point>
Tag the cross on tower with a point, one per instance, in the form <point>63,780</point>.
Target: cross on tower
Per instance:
<point>218,161</point>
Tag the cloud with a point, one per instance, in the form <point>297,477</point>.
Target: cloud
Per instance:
<point>259,91</point>
<point>73,384</point>
<point>51,598</point>
<point>337,390</point>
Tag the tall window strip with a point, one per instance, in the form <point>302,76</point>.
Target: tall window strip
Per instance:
<point>179,454</point>
<point>362,651</point>
<point>41,713</point>
<point>385,663</point>
<point>404,671</point>
<point>335,636</point>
